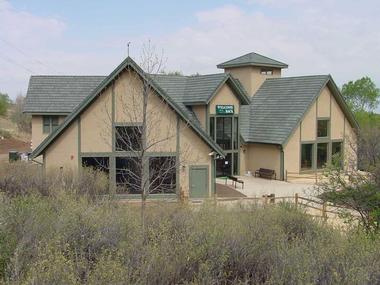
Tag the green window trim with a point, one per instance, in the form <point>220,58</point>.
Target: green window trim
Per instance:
<point>49,123</point>
<point>315,165</point>
<point>323,128</point>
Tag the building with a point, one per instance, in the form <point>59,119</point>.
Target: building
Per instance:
<point>230,123</point>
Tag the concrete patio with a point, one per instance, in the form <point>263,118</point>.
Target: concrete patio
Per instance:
<point>257,187</point>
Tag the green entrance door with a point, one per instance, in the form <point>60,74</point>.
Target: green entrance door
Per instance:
<point>199,182</point>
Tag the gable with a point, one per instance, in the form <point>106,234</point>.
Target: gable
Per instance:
<point>126,64</point>
<point>224,96</point>
<point>281,103</point>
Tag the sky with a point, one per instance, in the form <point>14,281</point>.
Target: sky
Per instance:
<point>337,37</point>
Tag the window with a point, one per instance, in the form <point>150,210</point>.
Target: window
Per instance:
<point>224,166</point>
<point>307,156</point>
<point>128,175</point>
<point>236,133</point>
<point>323,128</point>
<point>212,128</point>
<point>336,152</point>
<point>224,132</point>
<point>50,123</point>
<point>322,151</point>
<point>235,161</point>
<point>96,163</point>
<point>162,174</point>
<point>266,71</point>
<point>128,138</point>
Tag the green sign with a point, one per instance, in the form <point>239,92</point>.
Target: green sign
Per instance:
<point>224,109</point>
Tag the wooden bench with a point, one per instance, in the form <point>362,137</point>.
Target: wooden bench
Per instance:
<point>265,173</point>
<point>235,180</point>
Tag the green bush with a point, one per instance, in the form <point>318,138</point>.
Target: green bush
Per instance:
<point>74,237</point>
<point>5,134</point>
<point>4,103</point>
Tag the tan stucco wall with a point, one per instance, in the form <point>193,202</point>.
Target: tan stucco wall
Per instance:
<point>128,99</point>
<point>193,151</point>
<point>37,135</point>
<point>225,96</point>
<point>324,103</point>
<point>64,151</point>
<point>200,112</point>
<point>339,129</point>
<point>263,156</point>
<point>337,120</point>
<point>309,124</point>
<point>96,131</point>
<point>243,159</point>
<point>162,126</point>
<point>251,77</point>
<point>292,152</point>
<point>350,146</point>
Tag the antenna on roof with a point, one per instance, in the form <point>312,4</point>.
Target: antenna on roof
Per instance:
<point>128,47</point>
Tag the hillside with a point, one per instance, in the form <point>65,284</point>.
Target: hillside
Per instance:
<point>11,138</point>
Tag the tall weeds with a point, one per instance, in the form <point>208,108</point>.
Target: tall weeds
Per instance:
<point>73,237</point>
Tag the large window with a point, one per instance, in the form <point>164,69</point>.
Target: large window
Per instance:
<point>128,138</point>
<point>322,154</point>
<point>128,175</point>
<point>236,133</point>
<point>224,132</point>
<point>307,156</point>
<point>224,166</point>
<point>96,163</point>
<point>212,128</point>
<point>336,152</point>
<point>162,174</point>
<point>50,123</point>
<point>323,128</point>
<point>235,163</point>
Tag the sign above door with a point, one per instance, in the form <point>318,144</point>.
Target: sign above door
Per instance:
<point>224,109</point>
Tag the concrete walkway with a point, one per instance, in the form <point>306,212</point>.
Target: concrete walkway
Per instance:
<point>257,187</point>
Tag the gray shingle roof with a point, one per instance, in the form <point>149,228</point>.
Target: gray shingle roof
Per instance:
<point>198,88</point>
<point>58,94</point>
<point>278,106</point>
<point>127,63</point>
<point>252,59</point>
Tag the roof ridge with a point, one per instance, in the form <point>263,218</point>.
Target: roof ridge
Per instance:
<point>298,76</point>
<point>266,57</point>
<point>66,75</point>
<point>187,76</point>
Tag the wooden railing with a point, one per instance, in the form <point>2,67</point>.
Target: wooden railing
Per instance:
<point>311,206</point>
<point>296,175</point>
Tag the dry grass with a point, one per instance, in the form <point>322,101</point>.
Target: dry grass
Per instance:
<point>60,233</point>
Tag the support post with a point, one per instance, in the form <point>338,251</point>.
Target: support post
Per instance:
<point>296,199</point>
<point>324,213</point>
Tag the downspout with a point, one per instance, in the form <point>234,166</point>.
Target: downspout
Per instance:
<point>282,162</point>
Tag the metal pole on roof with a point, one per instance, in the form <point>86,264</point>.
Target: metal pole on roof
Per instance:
<point>128,47</point>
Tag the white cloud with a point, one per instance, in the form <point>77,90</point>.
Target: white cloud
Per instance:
<point>31,44</point>
<point>313,37</point>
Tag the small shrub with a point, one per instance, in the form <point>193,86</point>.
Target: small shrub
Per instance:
<point>5,134</point>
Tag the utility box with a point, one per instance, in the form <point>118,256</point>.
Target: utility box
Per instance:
<point>13,156</point>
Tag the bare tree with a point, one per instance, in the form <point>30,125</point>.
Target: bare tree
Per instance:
<point>356,192</point>
<point>145,134</point>
<point>22,120</point>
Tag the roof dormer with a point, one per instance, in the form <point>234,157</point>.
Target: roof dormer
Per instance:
<point>252,69</point>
